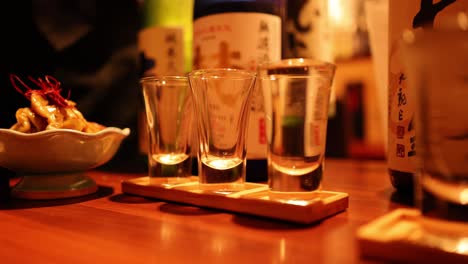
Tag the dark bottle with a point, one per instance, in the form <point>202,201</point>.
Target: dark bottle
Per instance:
<point>307,31</point>
<point>240,34</point>
<point>307,34</point>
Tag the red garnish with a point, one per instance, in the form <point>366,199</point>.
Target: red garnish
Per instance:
<point>49,87</point>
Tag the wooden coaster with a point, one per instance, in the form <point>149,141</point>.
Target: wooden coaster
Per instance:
<point>254,199</point>
<point>404,236</point>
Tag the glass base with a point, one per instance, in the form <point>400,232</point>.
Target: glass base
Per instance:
<point>169,181</point>
<point>221,188</point>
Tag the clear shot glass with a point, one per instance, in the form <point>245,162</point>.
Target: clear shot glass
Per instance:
<point>297,94</point>
<point>169,113</point>
<point>221,98</point>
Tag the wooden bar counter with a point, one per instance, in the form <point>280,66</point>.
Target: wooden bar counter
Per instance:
<point>112,227</point>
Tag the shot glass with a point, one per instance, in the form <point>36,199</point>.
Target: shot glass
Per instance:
<point>169,113</point>
<point>296,95</point>
<point>436,63</point>
<point>221,98</point>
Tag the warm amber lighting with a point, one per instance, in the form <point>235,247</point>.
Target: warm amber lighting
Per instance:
<point>464,196</point>
<point>462,20</point>
<point>282,250</point>
<point>462,246</point>
<point>342,18</point>
<point>335,11</point>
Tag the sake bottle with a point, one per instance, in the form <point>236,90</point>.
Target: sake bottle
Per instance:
<point>240,34</point>
<point>407,15</point>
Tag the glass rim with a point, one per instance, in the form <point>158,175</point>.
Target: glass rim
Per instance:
<point>199,73</point>
<point>295,67</point>
<point>156,78</point>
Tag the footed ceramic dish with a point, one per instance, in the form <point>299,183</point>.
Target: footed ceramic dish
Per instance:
<point>52,163</point>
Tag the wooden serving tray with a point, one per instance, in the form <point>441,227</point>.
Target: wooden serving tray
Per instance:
<point>404,236</point>
<point>303,208</point>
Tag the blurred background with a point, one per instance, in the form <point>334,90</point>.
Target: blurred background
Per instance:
<point>92,48</point>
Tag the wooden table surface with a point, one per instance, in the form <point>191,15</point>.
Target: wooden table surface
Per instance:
<point>111,227</point>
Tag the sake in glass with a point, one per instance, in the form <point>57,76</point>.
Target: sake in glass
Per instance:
<point>296,94</point>
<point>221,98</point>
<point>169,114</point>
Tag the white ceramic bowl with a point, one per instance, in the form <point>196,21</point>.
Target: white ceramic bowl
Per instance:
<point>45,157</point>
<point>59,150</point>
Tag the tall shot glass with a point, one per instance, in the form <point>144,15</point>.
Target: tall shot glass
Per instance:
<point>296,94</point>
<point>169,113</point>
<point>221,98</point>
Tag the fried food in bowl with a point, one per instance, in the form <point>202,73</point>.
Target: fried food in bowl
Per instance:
<point>52,145</point>
<point>48,109</point>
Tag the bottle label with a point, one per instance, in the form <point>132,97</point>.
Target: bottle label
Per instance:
<point>308,32</point>
<point>402,135</point>
<point>240,40</point>
<point>401,130</point>
<point>161,50</point>
<point>161,53</point>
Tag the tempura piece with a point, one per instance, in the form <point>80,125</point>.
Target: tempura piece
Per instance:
<point>28,121</point>
<point>49,110</point>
